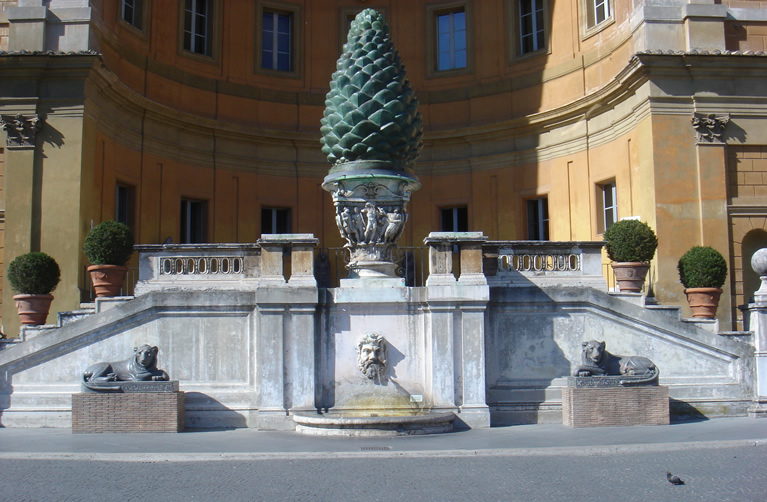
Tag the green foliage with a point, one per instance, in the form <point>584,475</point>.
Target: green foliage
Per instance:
<point>371,112</point>
<point>34,274</point>
<point>630,241</point>
<point>702,267</point>
<point>109,243</point>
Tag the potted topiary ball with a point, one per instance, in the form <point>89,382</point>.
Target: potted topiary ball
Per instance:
<point>631,244</point>
<point>33,276</point>
<point>702,271</point>
<point>108,246</point>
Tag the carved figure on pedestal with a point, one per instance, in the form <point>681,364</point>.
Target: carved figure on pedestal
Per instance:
<point>395,225</point>
<point>596,361</point>
<point>372,353</point>
<point>141,367</point>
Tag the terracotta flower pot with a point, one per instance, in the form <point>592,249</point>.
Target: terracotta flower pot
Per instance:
<point>703,301</point>
<point>630,275</point>
<point>107,279</point>
<point>33,309</point>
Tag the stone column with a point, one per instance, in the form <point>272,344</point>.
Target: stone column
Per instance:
<point>272,414</point>
<point>440,259</point>
<point>440,351</point>
<point>22,202</point>
<point>272,246</point>
<point>302,260</point>
<point>286,329</point>
<point>473,406</point>
<point>26,29</point>
<point>457,349</point>
<point>757,317</point>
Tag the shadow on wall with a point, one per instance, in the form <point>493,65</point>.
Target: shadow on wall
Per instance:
<point>524,332</point>
<point>201,410</point>
<point>684,412</point>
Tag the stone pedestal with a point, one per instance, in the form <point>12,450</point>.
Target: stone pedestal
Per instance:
<point>614,406</point>
<point>100,412</point>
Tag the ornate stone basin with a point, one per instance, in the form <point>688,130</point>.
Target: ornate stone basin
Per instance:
<point>350,424</point>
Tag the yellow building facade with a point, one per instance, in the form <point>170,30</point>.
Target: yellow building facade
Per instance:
<point>198,121</point>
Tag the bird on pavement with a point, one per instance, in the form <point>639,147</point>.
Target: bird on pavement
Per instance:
<point>674,480</point>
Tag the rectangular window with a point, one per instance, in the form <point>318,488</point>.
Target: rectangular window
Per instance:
<point>538,219</point>
<point>532,34</point>
<point>598,11</point>
<point>133,12</point>
<point>125,205</point>
<point>454,219</point>
<point>276,41</point>
<point>609,205</point>
<point>198,26</point>
<point>275,220</point>
<point>451,44</point>
<point>194,221</point>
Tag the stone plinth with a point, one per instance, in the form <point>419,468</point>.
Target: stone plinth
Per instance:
<point>339,424</point>
<point>614,406</point>
<point>99,412</point>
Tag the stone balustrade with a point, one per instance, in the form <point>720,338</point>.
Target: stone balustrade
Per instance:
<point>441,246</point>
<point>569,263</point>
<point>194,267</point>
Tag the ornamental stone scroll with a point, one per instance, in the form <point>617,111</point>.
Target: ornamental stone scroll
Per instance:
<point>20,130</point>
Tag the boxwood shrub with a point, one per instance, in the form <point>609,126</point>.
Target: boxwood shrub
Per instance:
<point>630,241</point>
<point>34,274</point>
<point>702,267</point>
<point>109,243</point>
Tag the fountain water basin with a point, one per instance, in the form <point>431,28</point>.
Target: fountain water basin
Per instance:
<point>372,424</point>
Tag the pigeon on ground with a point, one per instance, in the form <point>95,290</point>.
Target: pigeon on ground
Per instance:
<point>674,480</point>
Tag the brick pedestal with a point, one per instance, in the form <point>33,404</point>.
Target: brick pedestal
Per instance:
<point>130,412</point>
<point>613,406</point>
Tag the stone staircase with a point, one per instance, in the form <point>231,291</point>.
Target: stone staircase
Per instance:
<point>675,312</point>
<point>66,318</point>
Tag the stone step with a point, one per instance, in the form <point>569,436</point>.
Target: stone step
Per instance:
<point>65,318</point>
<point>637,299</point>
<point>711,325</point>
<point>674,311</point>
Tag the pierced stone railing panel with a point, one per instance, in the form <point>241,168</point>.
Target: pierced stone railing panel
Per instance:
<point>568,263</point>
<point>202,265</point>
<point>197,266</point>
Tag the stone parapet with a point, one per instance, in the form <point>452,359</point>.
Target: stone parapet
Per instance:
<point>615,406</point>
<point>94,412</point>
<point>544,263</point>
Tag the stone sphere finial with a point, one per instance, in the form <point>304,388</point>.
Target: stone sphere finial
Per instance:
<point>759,264</point>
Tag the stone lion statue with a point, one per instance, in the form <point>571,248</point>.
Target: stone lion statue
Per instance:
<point>596,361</point>
<point>372,352</point>
<point>141,367</point>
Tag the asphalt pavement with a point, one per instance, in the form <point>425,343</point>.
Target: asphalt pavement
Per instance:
<point>515,440</point>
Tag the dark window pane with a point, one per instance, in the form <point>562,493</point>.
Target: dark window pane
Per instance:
<point>443,24</point>
<point>283,62</point>
<point>525,7</point>
<point>460,59</point>
<point>283,24</point>
<point>460,40</point>
<point>459,21</point>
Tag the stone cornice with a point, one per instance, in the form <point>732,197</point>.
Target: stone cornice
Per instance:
<point>611,111</point>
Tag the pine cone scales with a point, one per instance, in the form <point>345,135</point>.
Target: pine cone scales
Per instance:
<point>371,111</point>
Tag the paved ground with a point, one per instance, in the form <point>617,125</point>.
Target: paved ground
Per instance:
<point>720,460</point>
